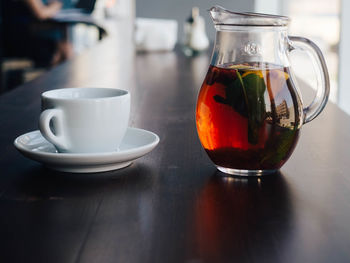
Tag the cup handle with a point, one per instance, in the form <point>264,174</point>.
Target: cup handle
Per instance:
<point>44,126</point>
<point>323,86</point>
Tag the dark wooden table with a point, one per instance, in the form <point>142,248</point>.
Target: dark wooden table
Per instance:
<point>172,205</point>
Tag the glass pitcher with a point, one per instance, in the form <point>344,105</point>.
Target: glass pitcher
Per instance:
<point>249,110</point>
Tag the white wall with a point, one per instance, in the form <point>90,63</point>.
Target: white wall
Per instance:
<point>274,7</point>
<point>344,58</point>
<point>181,9</point>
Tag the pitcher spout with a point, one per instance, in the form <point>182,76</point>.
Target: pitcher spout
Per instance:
<point>219,14</point>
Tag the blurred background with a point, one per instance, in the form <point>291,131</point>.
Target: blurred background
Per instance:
<point>322,21</point>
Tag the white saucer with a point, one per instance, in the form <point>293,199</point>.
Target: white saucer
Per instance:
<point>136,143</point>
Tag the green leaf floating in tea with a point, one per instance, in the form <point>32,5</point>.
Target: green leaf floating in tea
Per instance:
<point>246,96</point>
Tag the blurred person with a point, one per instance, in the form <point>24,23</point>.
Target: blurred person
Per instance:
<point>27,34</point>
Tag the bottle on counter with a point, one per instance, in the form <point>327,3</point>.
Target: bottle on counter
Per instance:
<point>195,37</point>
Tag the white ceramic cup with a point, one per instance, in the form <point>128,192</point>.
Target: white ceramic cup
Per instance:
<point>85,120</point>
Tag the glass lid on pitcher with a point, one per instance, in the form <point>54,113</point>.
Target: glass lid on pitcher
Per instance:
<point>222,16</point>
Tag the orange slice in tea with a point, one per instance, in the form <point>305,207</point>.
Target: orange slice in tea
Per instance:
<point>256,72</point>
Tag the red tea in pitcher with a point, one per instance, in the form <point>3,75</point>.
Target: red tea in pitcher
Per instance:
<point>248,116</point>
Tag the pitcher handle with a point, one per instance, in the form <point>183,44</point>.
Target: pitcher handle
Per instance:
<point>323,86</point>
